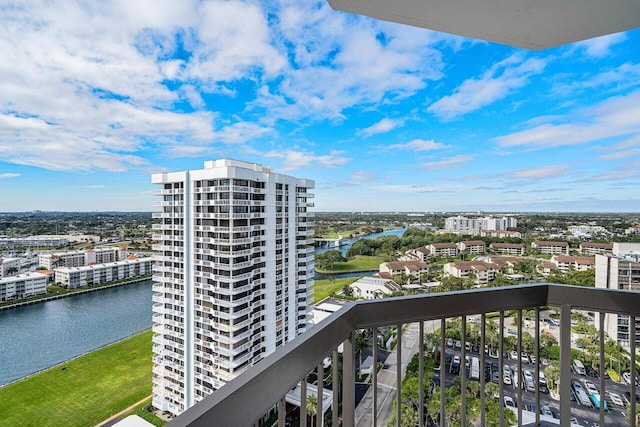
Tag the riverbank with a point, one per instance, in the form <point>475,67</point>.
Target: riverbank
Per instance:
<point>69,292</point>
<point>358,264</point>
<point>84,391</point>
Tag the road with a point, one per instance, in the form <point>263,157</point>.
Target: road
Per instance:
<point>387,379</point>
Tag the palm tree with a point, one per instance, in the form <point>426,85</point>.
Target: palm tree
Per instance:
<point>553,375</point>
<point>312,406</point>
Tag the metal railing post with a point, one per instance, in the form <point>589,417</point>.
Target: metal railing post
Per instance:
<point>303,402</point>
<point>463,370</point>
<point>521,383</point>
<point>443,327</point>
<point>482,379</point>
<point>374,416</point>
<point>634,371</point>
<point>501,363</point>
<point>281,412</point>
<point>398,373</point>
<point>335,388</point>
<point>537,367</point>
<point>348,381</point>
<point>320,396</point>
<point>601,370</point>
<point>565,364</point>
<point>421,374</point>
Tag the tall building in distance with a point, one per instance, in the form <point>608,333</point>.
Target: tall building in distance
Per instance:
<point>619,270</point>
<point>234,274</point>
<point>474,226</point>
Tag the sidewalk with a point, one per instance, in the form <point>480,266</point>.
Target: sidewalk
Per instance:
<point>387,381</point>
<point>124,411</point>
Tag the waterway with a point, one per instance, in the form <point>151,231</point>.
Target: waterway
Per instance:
<point>38,336</point>
<point>346,243</point>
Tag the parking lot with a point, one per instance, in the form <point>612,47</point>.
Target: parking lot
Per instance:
<point>615,415</point>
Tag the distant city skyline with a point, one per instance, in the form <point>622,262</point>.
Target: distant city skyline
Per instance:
<point>95,98</point>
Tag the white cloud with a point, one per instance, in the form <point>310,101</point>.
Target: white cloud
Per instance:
<point>617,79</point>
<point>363,176</point>
<point>599,47</point>
<point>448,163</point>
<point>294,159</point>
<point>9,175</point>
<point>615,117</point>
<point>496,83</point>
<point>422,188</point>
<point>614,175</point>
<point>339,60</point>
<point>418,145</point>
<point>539,172</point>
<point>383,126</point>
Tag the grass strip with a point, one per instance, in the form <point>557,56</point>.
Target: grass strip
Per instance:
<point>357,263</point>
<point>83,391</point>
<point>324,288</point>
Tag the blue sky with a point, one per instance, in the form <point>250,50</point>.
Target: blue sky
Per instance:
<point>96,96</point>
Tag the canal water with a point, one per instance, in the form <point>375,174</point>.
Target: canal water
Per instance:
<point>346,243</point>
<point>38,336</point>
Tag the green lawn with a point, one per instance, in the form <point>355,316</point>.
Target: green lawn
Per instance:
<point>358,263</point>
<point>84,391</point>
<point>324,288</point>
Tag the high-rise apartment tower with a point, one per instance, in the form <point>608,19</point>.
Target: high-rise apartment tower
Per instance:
<point>234,274</point>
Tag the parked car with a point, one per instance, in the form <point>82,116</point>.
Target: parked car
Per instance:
<point>591,372</point>
<point>581,395</point>
<point>542,383</point>
<point>495,377</point>
<point>506,378</point>
<point>628,396</point>
<point>591,387</point>
<point>524,357</point>
<point>506,369</point>
<point>615,399</point>
<point>627,377</point>
<point>546,411</point>
<point>455,365</point>
<point>449,342</point>
<point>508,402</point>
<point>514,355</point>
<point>528,381</point>
<point>595,398</point>
<point>458,344</point>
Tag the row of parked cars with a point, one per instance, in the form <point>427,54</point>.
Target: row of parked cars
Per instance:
<point>587,394</point>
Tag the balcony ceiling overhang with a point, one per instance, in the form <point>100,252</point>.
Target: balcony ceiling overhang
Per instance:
<point>529,24</point>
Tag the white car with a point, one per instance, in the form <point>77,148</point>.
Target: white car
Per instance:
<point>615,399</point>
<point>514,355</point>
<point>591,388</point>
<point>574,422</point>
<point>509,403</point>
<point>627,377</point>
<point>506,378</point>
<point>450,342</point>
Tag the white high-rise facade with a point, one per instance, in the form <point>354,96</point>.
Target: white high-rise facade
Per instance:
<point>234,274</point>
